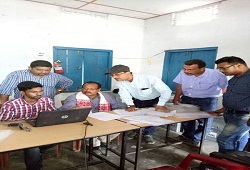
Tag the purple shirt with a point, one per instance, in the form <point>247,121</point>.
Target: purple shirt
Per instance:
<point>209,84</point>
<point>17,109</point>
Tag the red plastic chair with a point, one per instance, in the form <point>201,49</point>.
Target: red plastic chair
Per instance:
<point>184,165</point>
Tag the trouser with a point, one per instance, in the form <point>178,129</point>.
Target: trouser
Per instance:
<point>33,157</point>
<point>146,103</point>
<point>235,133</point>
<point>205,104</point>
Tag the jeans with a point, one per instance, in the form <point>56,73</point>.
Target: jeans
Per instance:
<point>205,104</point>
<point>235,134</point>
<point>146,103</point>
<point>33,157</point>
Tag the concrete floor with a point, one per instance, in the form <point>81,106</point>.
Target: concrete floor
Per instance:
<point>172,154</point>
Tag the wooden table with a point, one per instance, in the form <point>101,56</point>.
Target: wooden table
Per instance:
<point>39,136</point>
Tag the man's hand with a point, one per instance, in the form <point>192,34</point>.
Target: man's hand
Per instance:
<point>218,112</point>
<point>162,108</point>
<point>131,109</point>
<point>248,122</point>
<point>176,100</point>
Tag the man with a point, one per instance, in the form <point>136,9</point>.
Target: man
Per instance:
<point>90,96</point>
<point>199,86</point>
<point>140,91</point>
<point>26,107</point>
<point>236,104</point>
<point>38,71</point>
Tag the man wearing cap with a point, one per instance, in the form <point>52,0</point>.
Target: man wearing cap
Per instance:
<point>140,91</point>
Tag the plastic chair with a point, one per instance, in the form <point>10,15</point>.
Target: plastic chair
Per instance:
<point>184,165</point>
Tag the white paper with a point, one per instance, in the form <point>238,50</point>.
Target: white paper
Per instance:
<point>152,120</point>
<point>193,115</point>
<point>104,116</point>
<point>4,134</point>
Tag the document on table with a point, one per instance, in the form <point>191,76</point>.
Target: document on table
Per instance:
<point>4,134</point>
<point>142,112</point>
<point>152,120</point>
<point>104,116</point>
<point>193,115</point>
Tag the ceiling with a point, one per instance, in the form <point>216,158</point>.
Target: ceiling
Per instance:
<point>139,9</point>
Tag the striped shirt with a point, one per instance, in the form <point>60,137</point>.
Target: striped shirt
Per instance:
<point>17,109</point>
<point>48,81</point>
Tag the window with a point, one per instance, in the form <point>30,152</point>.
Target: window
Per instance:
<point>194,16</point>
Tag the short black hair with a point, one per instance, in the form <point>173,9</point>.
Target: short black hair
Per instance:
<point>93,82</point>
<point>26,85</point>
<point>199,62</point>
<point>231,60</point>
<point>40,63</point>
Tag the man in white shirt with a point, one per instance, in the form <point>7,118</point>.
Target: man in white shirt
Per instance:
<point>140,91</point>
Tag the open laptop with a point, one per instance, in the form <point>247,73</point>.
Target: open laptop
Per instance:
<point>57,117</point>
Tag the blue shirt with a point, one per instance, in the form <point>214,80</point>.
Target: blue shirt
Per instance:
<point>48,81</point>
<point>70,102</point>
<point>209,84</point>
<point>144,87</point>
<point>237,96</point>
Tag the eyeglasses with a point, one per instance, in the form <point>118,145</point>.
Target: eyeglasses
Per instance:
<point>89,89</point>
<point>225,68</point>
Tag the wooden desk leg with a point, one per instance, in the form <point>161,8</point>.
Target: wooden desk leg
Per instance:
<point>203,135</point>
<point>4,161</point>
<point>58,150</point>
<point>77,145</point>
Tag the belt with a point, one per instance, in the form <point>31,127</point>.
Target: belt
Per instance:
<point>236,111</point>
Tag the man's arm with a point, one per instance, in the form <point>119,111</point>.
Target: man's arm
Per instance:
<point>3,98</point>
<point>178,93</point>
<point>64,82</point>
<point>7,112</point>
<point>69,103</point>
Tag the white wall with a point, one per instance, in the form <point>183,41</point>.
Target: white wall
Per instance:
<point>29,30</point>
<point>230,32</point>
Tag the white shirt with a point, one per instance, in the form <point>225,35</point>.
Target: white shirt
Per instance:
<point>144,87</point>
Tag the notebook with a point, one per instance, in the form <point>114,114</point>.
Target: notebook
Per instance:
<point>57,117</point>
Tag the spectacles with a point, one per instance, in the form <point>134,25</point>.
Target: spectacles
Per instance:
<point>89,89</point>
<point>225,68</point>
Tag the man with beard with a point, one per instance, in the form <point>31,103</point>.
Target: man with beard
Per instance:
<point>25,107</point>
<point>201,86</point>
<point>236,104</point>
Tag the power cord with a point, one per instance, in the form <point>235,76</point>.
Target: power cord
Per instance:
<point>87,123</point>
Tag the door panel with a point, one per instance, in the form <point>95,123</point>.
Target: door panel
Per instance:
<point>174,61</point>
<point>81,65</point>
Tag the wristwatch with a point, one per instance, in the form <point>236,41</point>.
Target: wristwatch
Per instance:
<point>59,90</point>
<point>131,106</point>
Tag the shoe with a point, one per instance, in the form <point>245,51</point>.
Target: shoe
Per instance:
<point>148,139</point>
<point>195,143</point>
<point>97,150</point>
<point>183,138</point>
<point>131,135</point>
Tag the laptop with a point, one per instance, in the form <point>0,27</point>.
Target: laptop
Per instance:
<point>58,117</point>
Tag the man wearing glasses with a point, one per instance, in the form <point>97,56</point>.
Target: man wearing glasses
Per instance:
<point>201,86</point>
<point>236,104</point>
<point>140,91</point>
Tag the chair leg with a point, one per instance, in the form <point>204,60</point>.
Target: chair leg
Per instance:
<point>58,150</point>
<point>77,145</point>
<point>4,161</point>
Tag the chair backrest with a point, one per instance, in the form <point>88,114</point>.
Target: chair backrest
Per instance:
<point>212,161</point>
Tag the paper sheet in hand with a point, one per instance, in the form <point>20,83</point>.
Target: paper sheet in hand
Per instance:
<point>4,134</point>
<point>104,116</point>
